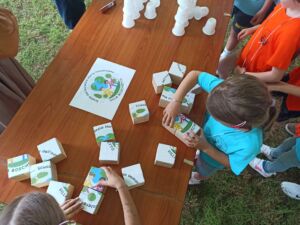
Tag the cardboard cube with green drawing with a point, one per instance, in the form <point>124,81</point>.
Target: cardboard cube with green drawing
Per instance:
<point>42,173</point>
<point>60,191</point>
<point>104,133</point>
<point>93,178</point>
<point>19,167</point>
<point>133,176</point>
<point>182,125</point>
<point>109,152</point>
<point>167,96</point>
<point>52,150</point>
<point>159,80</point>
<point>139,112</point>
<point>165,155</point>
<point>91,200</point>
<point>177,72</point>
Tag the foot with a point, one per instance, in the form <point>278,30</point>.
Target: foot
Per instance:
<point>195,179</point>
<point>257,164</point>
<point>197,154</point>
<point>266,151</point>
<point>293,129</point>
<point>291,189</point>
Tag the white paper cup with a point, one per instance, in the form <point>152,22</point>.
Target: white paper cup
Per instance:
<point>185,3</point>
<point>144,1</point>
<point>200,12</point>
<point>210,26</point>
<point>139,5</point>
<point>178,30</point>
<point>128,21</point>
<point>150,12</point>
<point>183,21</point>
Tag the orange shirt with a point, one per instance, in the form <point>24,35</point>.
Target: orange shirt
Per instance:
<point>282,40</point>
<point>293,102</point>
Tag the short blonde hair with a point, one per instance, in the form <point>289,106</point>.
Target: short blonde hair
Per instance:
<point>35,208</point>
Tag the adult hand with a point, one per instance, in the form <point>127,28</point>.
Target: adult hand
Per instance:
<point>71,207</point>
<point>196,141</point>
<point>258,18</point>
<point>170,112</point>
<point>239,70</point>
<point>113,179</point>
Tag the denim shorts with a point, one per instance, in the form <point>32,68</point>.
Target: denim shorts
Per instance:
<point>204,168</point>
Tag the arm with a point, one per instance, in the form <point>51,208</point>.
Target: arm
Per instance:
<point>246,32</point>
<point>260,15</point>
<point>200,142</point>
<point>285,88</point>
<point>131,216</point>
<point>9,39</point>
<point>173,108</point>
<point>274,75</point>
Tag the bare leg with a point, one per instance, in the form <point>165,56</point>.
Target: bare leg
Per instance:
<point>232,41</point>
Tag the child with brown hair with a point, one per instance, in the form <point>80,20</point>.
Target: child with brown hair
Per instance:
<point>237,110</point>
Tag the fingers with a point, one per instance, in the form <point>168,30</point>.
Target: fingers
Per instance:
<point>73,209</point>
<point>69,202</point>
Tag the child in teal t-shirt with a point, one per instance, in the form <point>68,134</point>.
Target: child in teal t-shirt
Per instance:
<point>237,109</point>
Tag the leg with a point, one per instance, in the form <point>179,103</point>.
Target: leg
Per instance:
<point>232,41</point>
<point>285,146</point>
<point>284,162</point>
<point>70,11</point>
<point>204,169</point>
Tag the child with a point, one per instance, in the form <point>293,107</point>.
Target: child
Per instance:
<point>290,106</point>
<point>282,158</point>
<point>246,14</point>
<point>238,108</point>
<point>273,45</point>
<point>39,208</point>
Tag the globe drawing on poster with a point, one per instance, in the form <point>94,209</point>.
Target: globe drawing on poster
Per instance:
<point>103,88</point>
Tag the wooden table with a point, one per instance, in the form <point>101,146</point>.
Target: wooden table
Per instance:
<point>149,47</point>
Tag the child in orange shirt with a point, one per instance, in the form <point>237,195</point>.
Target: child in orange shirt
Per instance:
<point>273,45</point>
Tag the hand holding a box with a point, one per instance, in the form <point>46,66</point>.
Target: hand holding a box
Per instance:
<point>196,141</point>
<point>71,207</point>
<point>170,112</point>
<point>113,179</point>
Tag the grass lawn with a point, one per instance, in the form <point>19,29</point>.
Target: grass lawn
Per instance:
<point>224,199</point>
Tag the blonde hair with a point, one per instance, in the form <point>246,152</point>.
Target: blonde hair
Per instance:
<point>242,100</point>
<point>35,208</point>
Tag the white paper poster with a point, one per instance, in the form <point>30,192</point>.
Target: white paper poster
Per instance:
<point>103,88</point>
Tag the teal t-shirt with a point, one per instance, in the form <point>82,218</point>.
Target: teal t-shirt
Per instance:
<point>240,146</point>
<point>249,7</point>
<point>298,148</point>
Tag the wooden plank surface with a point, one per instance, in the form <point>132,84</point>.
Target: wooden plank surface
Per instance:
<point>149,47</point>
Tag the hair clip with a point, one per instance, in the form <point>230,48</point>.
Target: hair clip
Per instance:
<point>67,222</point>
<point>240,125</point>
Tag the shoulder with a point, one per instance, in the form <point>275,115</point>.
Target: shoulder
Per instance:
<point>208,81</point>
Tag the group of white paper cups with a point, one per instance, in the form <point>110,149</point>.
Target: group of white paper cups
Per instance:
<point>132,9</point>
<point>187,10</point>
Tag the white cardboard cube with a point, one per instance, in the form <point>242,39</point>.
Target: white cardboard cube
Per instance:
<point>165,155</point>
<point>177,72</point>
<point>91,200</point>
<point>133,176</point>
<point>167,96</point>
<point>182,126</point>
<point>19,167</point>
<point>196,89</point>
<point>139,112</point>
<point>52,150</point>
<point>60,191</point>
<point>42,173</point>
<point>94,176</point>
<point>109,152</point>
<point>104,132</point>
<point>161,79</point>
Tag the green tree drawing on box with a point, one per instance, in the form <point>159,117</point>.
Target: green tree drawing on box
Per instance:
<point>18,164</point>
<point>187,127</point>
<point>169,89</point>
<point>41,175</point>
<point>92,197</point>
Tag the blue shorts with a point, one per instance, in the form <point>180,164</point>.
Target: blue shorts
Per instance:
<point>204,168</point>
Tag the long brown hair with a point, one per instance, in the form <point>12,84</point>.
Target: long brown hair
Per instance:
<point>35,208</point>
<point>242,100</point>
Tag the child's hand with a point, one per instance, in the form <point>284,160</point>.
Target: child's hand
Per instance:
<point>239,70</point>
<point>71,207</point>
<point>170,112</point>
<point>113,179</point>
<point>258,18</point>
<point>195,141</point>
<point>244,33</point>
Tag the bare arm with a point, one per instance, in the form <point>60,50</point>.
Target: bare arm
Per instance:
<point>273,75</point>
<point>173,108</point>
<point>131,216</point>
<point>285,88</point>
<point>260,15</point>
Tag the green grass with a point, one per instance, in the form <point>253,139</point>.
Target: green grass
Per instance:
<point>223,199</point>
